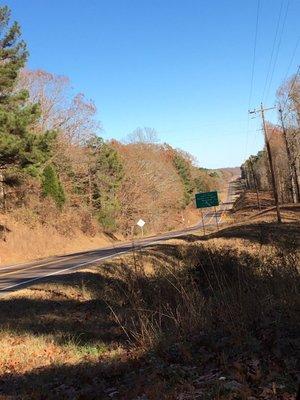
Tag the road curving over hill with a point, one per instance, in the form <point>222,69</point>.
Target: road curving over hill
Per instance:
<point>14,277</point>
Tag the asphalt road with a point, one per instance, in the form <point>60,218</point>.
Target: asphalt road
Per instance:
<point>14,277</point>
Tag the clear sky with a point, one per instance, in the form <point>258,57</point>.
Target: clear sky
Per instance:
<point>181,67</point>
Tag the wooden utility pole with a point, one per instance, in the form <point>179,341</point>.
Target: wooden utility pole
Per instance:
<point>274,186</point>
<point>291,164</point>
<point>255,183</point>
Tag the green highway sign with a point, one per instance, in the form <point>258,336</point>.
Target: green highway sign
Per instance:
<point>207,199</point>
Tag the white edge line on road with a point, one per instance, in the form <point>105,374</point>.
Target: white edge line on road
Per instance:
<point>30,266</point>
<point>67,257</point>
<point>81,265</point>
<point>62,270</point>
<point>33,266</point>
<point>20,264</point>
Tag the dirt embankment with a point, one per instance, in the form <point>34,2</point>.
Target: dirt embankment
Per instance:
<point>25,239</point>
<point>21,242</point>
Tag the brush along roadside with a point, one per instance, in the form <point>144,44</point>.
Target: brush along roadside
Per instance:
<point>246,208</point>
<point>180,320</point>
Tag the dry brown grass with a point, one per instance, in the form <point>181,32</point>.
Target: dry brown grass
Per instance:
<point>246,208</point>
<point>169,314</point>
<point>30,240</point>
<point>178,302</point>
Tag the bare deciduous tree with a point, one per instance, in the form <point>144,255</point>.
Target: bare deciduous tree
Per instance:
<point>61,110</point>
<point>142,135</point>
<point>151,188</point>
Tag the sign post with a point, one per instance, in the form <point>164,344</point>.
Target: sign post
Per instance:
<point>216,218</point>
<point>141,224</point>
<point>203,226</point>
<point>207,199</point>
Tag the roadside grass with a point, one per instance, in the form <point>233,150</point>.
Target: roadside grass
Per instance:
<point>184,319</point>
<point>28,239</point>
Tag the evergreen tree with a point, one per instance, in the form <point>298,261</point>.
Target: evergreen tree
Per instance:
<point>52,186</point>
<point>19,146</point>
<point>184,171</point>
<point>106,173</point>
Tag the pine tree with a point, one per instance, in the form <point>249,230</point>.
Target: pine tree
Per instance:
<point>52,186</point>
<point>184,171</point>
<point>19,146</point>
<point>106,172</point>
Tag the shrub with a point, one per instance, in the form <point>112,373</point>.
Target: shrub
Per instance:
<point>52,186</point>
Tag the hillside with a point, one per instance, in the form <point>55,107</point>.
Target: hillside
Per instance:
<point>202,317</point>
<point>208,317</point>
<point>63,187</point>
<point>93,195</point>
<point>234,172</point>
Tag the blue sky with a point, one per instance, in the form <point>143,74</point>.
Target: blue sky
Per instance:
<point>181,67</point>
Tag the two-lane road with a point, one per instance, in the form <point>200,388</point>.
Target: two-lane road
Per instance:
<point>14,277</point>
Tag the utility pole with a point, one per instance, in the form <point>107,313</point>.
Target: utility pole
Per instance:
<point>255,183</point>
<point>274,186</point>
<point>291,163</point>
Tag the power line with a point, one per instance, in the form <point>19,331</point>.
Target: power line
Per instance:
<point>254,53</point>
<point>273,48</point>
<point>292,58</point>
<point>278,48</point>
<point>281,20</point>
<point>252,73</point>
<point>206,126</point>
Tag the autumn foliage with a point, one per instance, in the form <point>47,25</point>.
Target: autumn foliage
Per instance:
<point>52,157</point>
<point>284,140</point>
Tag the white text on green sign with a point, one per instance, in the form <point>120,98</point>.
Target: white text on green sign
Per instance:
<point>207,199</point>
